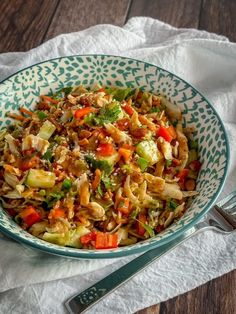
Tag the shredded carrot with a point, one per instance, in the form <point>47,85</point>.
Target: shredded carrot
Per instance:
<point>56,213</point>
<point>26,111</point>
<point>16,116</point>
<point>125,153</point>
<point>171,131</point>
<point>97,179</point>
<point>124,205</point>
<point>49,99</point>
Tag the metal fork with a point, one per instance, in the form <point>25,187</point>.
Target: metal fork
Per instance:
<point>220,218</point>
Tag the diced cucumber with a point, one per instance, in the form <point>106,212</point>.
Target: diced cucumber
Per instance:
<point>40,179</point>
<point>46,130</point>
<point>110,159</point>
<point>56,238</point>
<point>70,238</point>
<point>143,163</point>
<point>149,151</point>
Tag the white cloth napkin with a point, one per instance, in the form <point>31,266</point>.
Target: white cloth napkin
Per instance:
<point>40,283</point>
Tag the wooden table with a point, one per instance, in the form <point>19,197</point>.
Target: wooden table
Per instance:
<point>25,24</point>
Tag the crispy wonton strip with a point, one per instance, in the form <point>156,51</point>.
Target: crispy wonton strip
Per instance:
<point>83,189</point>
<point>183,145</point>
<point>117,135</point>
<point>155,184</point>
<point>127,189</point>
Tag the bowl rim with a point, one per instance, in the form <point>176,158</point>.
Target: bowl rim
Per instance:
<point>143,245</point>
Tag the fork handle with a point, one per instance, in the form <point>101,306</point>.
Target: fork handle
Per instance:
<point>90,296</point>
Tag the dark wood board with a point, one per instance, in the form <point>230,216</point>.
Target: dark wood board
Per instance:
<point>23,23</point>
<point>215,297</point>
<point>179,13</point>
<point>219,16</point>
<point>75,15</point>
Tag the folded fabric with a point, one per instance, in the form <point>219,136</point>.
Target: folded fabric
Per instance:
<point>40,283</point>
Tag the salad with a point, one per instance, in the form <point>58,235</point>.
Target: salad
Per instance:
<point>97,168</point>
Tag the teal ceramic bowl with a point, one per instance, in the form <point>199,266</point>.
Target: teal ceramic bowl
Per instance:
<point>25,87</point>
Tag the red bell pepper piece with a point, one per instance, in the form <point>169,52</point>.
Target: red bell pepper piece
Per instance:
<point>27,164</point>
<point>163,132</point>
<point>128,109</point>
<point>30,216</point>
<point>105,149</point>
<point>88,238</point>
<point>183,174</point>
<point>106,241</point>
<point>123,124</point>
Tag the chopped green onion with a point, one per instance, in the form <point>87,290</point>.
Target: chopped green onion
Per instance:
<point>155,109</point>
<point>42,192</point>
<point>126,168</point>
<point>168,162</point>
<point>48,155</point>
<point>143,163</point>
<point>172,204</point>
<point>66,184</point>
<point>41,115</point>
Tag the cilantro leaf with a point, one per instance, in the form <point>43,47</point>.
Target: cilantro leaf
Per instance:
<point>119,94</point>
<point>41,115</point>
<point>155,109</point>
<point>107,114</point>
<point>98,164</point>
<point>107,182</point>
<point>172,204</point>
<point>62,92</point>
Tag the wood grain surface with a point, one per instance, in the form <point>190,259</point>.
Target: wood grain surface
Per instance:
<point>183,13</point>
<point>219,16</point>
<point>25,24</point>
<point>215,297</point>
<point>75,15</point>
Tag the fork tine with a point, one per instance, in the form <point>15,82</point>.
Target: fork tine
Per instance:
<point>223,203</point>
<point>231,206</point>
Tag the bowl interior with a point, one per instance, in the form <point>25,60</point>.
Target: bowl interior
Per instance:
<point>24,88</point>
